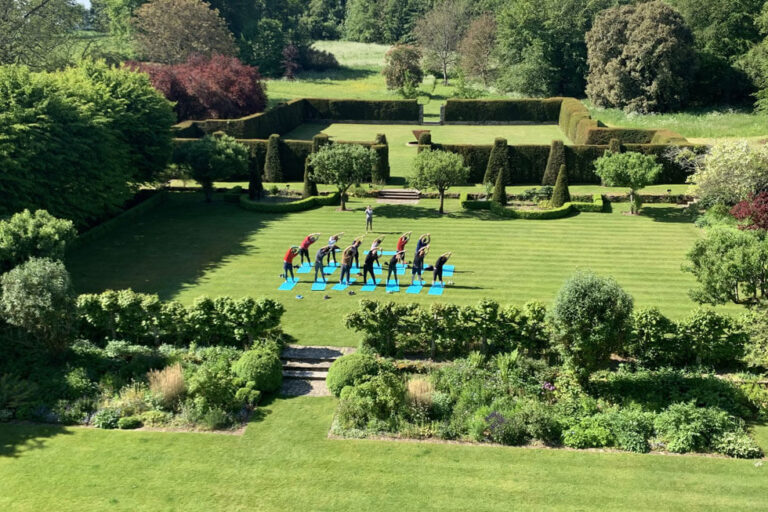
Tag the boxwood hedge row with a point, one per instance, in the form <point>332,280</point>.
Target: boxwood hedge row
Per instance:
<point>309,203</point>
<point>596,206</point>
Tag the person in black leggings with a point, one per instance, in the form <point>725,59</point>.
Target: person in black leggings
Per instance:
<point>393,261</point>
<point>356,246</point>
<point>371,258</point>
<point>319,257</point>
<point>418,264</point>
<point>437,273</point>
<point>346,263</point>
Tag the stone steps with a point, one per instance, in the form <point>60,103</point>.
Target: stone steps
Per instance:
<point>305,368</point>
<point>399,195</point>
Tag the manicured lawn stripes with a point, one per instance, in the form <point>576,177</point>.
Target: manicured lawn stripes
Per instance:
<point>187,248</point>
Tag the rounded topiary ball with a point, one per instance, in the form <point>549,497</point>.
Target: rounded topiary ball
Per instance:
<point>262,367</point>
<point>350,370</point>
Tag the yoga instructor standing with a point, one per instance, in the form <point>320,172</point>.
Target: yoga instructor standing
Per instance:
<point>369,218</point>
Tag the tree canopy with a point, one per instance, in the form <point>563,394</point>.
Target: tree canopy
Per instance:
<point>342,165</point>
<point>439,170</point>
<point>631,169</point>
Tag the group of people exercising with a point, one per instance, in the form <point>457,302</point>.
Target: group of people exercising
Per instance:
<point>351,253</point>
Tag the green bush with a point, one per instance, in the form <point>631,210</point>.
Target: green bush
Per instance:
<point>26,235</point>
<point>500,190</point>
<point>373,404</point>
<point>106,418</point>
<point>471,204</point>
<point>351,370</point>
<point>498,162</point>
<point>155,418</point>
<point>738,445</point>
<point>561,195</point>
<point>632,428</point>
<point>555,161</point>
<point>590,432</point>
<point>129,423</point>
<point>273,170</point>
<point>710,338</point>
<point>591,319</point>
<point>262,367</point>
<point>653,341</point>
<point>684,427</point>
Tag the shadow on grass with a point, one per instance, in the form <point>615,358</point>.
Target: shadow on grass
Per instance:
<point>166,250</point>
<point>17,438</point>
<point>337,74</point>
<point>667,214</point>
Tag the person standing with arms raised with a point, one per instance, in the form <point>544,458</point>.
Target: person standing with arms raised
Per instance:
<point>304,247</point>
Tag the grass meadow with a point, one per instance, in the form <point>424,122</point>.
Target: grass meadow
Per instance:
<point>285,461</point>
<point>186,248</point>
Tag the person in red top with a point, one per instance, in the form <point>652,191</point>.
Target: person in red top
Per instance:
<point>288,262</point>
<point>304,247</point>
<point>402,241</point>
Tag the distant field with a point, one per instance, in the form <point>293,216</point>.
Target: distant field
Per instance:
<point>186,248</point>
<point>401,155</point>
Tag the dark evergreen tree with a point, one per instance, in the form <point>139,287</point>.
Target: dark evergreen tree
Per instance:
<point>498,161</point>
<point>273,170</point>
<point>500,190</point>
<point>614,146</point>
<point>310,187</point>
<point>255,170</point>
<point>561,195</point>
<point>555,160</point>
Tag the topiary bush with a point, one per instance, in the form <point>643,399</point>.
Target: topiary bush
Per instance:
<point>561,195</point>
<point>351,370</point>
<point>273,170</point>
<point>261,366</point>
<point>499,190</point>
<point>498,162</point>
<point>129,423</point>
<point>554,162</point>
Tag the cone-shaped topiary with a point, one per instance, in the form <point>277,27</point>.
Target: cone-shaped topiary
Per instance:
<point>318,141</point>
<point>425,139</point>
<point>500,190</point>
<point>498,161</point>
<point>555,160</point>
<point>310,187</point>
<point>273,170</point>
<point>614,146</point>
<point>255,170</point>
<point>561,195</point>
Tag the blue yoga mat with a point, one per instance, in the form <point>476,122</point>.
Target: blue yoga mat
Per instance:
<point>414,289</point>
<point>288,285</point>
<point>368,288</point>
<point>392,287</point>
<point>319,286</point>
<point>436,289</point>
<point>384,253</point>
<point>329,270</point>
<point>304,268</point>
<point>340,287</point>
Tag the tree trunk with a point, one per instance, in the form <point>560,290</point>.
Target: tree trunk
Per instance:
<point>445,72</point>
<point>342,193</point>
<point>208,191</point>
<point>442,197</point>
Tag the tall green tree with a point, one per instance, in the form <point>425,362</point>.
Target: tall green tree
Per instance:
<point>440,31</point>
<point>214,157</point>
<point>631,169</point>
<point>342,165</point>
<point>440,170</point>
<point>641,58</point>
<point>33,234</point>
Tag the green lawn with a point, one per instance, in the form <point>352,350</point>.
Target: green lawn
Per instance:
<point>401,155</point>
<point>186,248</point>
<point>286,462</point>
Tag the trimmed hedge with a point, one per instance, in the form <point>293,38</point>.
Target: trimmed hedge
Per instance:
<point>280,119</point>
<point>361,110</point>
<point>535,110</point>
<point>474,204</point>
<point>555,160</point>
<point>310,203</point>
<point>596,206</point>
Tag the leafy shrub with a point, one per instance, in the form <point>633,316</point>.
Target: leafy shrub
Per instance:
<point>711,339</point>
<point>401,67</point>
<point>40,235</point>
<point>129,423</point>
<point>590,432</point>
<point>211,384</point>
<point>155,418</point>
<point>37,297</point>
<point>560,194</point>
<point>167,384</point>
<point>15,393</point>
<point>213,157</point>
<point>738,445</point>
<point>218,87</point>
<point>351,370</point>
<point>106,418</point>
<point>590,318</point>
<point>262,367</point>
<point>374,404</point>
<point>632,428</point>
<point>684,427</point>
<point>542,422</point>
<point>653,341</point>
<point>73,412</point>
<point>215,418</point>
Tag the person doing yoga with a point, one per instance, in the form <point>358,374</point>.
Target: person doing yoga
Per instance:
<point>418,264</point>
<point>304,247</point>
<point>376,243</point>
<point>370,258</point>
<point>288,262</point>
<point>319,257</point>
<point>346,263</point>
<point>402,241</point>
<point>423,241</point>
<point>332,244</point>
<point>393,261</point>
<point>356,244</point>
<point>437,272</point>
